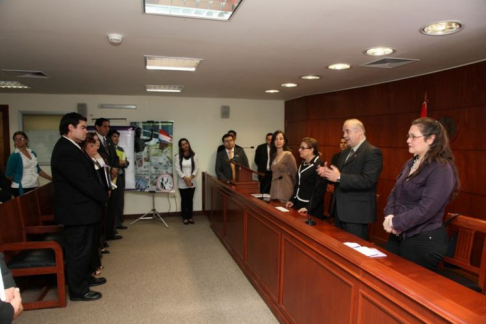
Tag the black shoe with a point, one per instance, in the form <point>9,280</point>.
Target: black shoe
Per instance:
<point>104,251</point>
<point>121,227</point>
<point>89,296</point>
<point>106,245</point>
<point>116,237</point>
<point>92,281</point>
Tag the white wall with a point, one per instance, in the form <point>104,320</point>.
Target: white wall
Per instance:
<point>197,119</point>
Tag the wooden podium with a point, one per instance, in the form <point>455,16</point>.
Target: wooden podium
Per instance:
<point>244,178</point>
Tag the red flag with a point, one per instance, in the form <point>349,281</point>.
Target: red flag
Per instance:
<point>423,111</point>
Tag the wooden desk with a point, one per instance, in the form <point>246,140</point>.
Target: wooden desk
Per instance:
<point>306,275</point>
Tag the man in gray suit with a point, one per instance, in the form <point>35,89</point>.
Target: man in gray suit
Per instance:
<point>356,175</point>
<point>224,169</point>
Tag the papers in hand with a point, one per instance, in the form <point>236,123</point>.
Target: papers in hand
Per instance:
<point>369,252</point>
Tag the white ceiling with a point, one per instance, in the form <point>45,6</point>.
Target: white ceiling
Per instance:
<point>266,43</point>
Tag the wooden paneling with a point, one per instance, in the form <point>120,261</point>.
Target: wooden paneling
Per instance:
<point>387,111</point>
<point>217,210</point>
<point>234,225</point>
<point>262,252</point>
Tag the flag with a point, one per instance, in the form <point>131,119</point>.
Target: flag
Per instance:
<point>164,137</point>
<point>423,111</point>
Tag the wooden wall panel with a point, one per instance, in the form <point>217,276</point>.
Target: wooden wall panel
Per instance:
<point>263,245</point>
<point>235,214</point>
<point>387,111</point>
<point>217,210</point>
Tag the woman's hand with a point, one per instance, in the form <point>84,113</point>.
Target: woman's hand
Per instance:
<point>289,204</point>
<point>388,224</point>
<point>303,210</point>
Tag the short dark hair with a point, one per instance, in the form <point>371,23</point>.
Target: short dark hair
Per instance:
<point>72,118</point>
<point>225,136</point>
<point>99,122</point>
<point>20,133</point>
<point>113,131</point>
<point>232,131</point>
<point>269,134</point>
<point>91,138</point>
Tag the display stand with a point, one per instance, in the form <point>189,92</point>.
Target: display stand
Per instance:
<point>152,213</point>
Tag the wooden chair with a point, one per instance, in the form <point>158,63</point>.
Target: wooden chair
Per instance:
<point>463,231</point>
<point>45,202</point>
<point>26,258</point>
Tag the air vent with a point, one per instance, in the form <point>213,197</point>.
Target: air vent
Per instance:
<point>26,74</point>
<point>389,63</point>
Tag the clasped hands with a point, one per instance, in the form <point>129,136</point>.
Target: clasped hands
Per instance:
<point>12,296</point>
<point>289,204</point>
<point>388,225</point>
<point>188,181</point>
<point>331,172</point>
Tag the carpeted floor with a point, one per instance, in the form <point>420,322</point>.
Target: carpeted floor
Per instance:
<point>180,274</point>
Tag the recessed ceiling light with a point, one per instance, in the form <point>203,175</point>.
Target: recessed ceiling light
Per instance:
<point>171,63</point>
<point>310,77</point>
<point>214,10</point>
<point>289,85</point>
<point>272,91</point>
<point>12,85</point>
<point>339,66</point>
<point>379,51</point>
<point>442,28</point>
<point>164,88</point>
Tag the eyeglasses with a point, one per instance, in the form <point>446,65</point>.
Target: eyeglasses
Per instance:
<point>19,139</point>
<point>304,148</point>
<point>413,137</point>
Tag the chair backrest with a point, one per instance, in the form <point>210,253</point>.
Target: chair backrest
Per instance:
<point>45,198</point>
<point>468,230</point>
<point>11,228</point>
<point>328,196</point>
<point>29,209</point>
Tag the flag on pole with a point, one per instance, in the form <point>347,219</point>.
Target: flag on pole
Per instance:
<point>164,137</point>
<point>423,111</point>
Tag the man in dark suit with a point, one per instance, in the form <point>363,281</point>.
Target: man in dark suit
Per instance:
<point>224,169</point>
<point>114,135</point>
<point>78,198</point>
<point>356,175</point>
<point>108,152</point>
<point>232,133</point>
<point>262,160</point>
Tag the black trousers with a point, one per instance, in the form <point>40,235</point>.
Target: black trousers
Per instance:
<point>15,191</point>
<point>120,183</point>
<point>426,249</point>
<point>187,196</point>
<point>359,230</point>
<point>265,182</point>
<point>80,244</point>
<point>111,214</point>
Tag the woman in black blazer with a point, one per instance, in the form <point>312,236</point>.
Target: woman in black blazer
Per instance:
<point>310,187</point>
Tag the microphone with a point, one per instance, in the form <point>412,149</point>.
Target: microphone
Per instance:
<point>249,147</point>
<point>268,184</point>
<point>309,220</point>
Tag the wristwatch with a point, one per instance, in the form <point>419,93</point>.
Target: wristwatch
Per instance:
<point>338,179</point>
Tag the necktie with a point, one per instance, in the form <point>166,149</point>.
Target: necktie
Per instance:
<point>233,170</point>
<point>351,153</point>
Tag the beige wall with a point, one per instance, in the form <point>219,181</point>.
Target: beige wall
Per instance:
<point>197,119</point>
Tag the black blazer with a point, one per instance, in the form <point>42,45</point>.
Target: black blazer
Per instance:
<point>261,158</point>
<point>109,154</point>
<point>309,186</point>
<point>223,167</point>
<point>355,194</point>
<point>78,194</point>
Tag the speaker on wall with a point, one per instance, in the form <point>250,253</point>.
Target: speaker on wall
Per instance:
<point>83,109</point>
<point>225,111</point>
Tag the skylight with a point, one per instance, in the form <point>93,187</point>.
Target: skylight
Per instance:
<point>203,9</point>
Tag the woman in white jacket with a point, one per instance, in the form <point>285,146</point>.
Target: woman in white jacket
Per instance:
<point>186,166</point>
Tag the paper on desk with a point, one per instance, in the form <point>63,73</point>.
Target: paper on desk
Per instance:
<point>369,252</point>
<point>2,287</point>
<point>282,209</point>
<point>261,195</point>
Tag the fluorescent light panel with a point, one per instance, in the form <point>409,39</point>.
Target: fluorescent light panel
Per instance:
<point>204,9</point>
<point>171,63</point>
<point>13,85</point>
<point>164,88</point>
<point>116,106</point>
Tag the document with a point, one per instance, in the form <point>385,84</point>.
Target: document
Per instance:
<point>369,252</point>
<point>282,209</point>
<point>2,287</point>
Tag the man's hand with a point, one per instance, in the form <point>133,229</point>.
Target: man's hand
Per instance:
<point>15,300</point>
<point>331,173</point>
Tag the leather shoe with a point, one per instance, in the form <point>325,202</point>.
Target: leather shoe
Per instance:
<point>96,281</point>
<point>104,251</point>
<point>106,245</point>
<point>122,227</point>
<point>116,237</point>
<point>89,296</point>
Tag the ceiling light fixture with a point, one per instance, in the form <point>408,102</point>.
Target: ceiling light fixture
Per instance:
<point>214,10</point>
<point>13,85</point>
<point>442,28</point>
<point>272,91</point>
<point>339,66</point>
<point>310,77</point>
<point>289,85</point>
<point>379,51</point>
<point>171,63</point>
<point>164,88</point>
